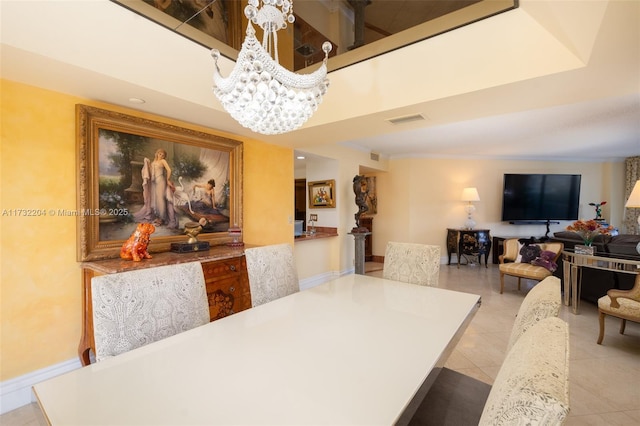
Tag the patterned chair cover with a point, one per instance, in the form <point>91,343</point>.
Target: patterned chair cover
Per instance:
<point>532,386</point>
<point>272,273</point>
<point>542,301</point>
<point>412,263</point>
<point>135,308</point>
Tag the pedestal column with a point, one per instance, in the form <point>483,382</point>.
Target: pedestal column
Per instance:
<point>359,249</point>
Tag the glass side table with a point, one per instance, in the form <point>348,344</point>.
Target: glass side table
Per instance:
<point>573,263</point>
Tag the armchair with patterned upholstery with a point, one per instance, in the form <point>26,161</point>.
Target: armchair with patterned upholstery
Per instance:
<point>517,264</point>
<point>132,309</point>
<point>412,263</point>
<point>623,304</point>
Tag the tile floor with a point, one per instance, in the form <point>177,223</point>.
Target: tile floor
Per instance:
<point>604,379</point>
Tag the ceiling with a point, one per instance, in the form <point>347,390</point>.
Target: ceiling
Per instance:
<point>551,80</point>
<point>386,17</point>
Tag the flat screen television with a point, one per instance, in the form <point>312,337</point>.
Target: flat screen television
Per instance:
<point>540,197</point>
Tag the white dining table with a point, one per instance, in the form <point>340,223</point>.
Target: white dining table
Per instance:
<point>356,350</point>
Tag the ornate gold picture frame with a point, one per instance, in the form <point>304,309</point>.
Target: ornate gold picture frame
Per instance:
<point>322,194</point>
<point>135,170</point>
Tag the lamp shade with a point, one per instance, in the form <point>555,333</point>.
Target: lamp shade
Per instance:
<point>634,197</point>
<point>470,194</point>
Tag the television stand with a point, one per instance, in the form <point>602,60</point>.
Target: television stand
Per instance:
<point>546,234</point>
<point>536,222</point>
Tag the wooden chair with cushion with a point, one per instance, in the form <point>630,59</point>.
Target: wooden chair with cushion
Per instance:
<point>542,301</point>
<point>514,263</point>
<point>135,308</point>
<point>623,304</point>
<point>272,273</point>
<point>412,263</point>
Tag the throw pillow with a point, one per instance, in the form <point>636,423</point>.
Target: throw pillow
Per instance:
<point>530,252</point>
<point>546,260</point>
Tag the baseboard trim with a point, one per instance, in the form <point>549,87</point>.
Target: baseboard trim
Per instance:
<point>380,259</point>
<point>310,282</point>
<point>17,392</point>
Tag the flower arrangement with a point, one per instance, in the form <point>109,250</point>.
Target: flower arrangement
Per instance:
<point>589,229</point>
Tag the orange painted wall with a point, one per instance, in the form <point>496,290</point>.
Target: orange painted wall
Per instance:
<point>40,280</point>
<point>267,189</point>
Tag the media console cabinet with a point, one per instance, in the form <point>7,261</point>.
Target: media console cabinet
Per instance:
<point>225,274</point>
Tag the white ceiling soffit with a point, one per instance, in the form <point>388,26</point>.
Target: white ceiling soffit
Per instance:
<point>504,49</point>
<point>535,134</point>
<point>535,57</point>
<point>145,54</point>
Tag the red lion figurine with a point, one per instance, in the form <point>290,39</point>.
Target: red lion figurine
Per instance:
<point>135,248</point>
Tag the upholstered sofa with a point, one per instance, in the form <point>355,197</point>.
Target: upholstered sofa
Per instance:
<point>595,283</point>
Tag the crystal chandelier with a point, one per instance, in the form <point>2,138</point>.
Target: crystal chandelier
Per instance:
<point>259,93</point>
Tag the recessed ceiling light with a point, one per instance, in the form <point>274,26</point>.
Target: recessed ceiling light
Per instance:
<point>300,157</point>
<point>137,100</point>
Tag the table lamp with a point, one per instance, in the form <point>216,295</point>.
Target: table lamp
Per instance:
<point>469,195</point>
<point>634,202</point>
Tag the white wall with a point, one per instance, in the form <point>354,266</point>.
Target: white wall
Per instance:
<point>419,198</point>
<point>340,164</point>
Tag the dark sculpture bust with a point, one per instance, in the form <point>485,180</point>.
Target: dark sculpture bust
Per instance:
<point>360,189</point>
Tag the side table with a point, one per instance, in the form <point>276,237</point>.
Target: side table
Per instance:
<point>573,264</point>
<point>468,243</point>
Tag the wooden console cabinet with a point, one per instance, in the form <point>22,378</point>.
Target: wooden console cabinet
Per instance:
<point>468,243</point>
<point>225,274</point>
<point>227,286</point>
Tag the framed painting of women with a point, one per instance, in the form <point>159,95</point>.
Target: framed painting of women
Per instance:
<point>135,170</point>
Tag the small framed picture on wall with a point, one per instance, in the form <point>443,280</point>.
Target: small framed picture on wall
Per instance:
<point>322,194</point>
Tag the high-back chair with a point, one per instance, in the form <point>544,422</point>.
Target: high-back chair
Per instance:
<point>532,386</point>
<point>412,263</point>
<point>542,301</point>
<point>513,263</point>
<point>135,308</point>
<point>623,304</point>
<point>272,273</point>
